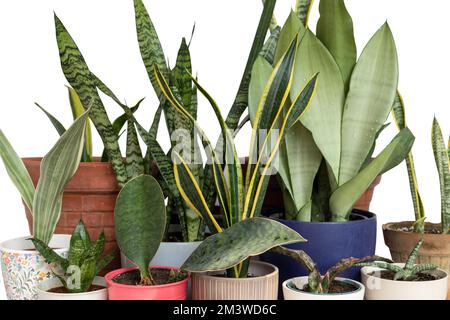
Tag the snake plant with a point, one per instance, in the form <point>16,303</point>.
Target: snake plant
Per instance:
<point>57,168</point>
<point>326,159</point>
<point>83,263</point>
<point>441,156</point>
<point>241,233</point>
<point>409,272</point>
<point>317,283</point>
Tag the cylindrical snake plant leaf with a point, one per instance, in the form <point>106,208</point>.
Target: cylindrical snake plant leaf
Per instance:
<point>270,46</point>
<point>303,10</point>
<point>343,199</point>
<point>324,117</point>
<point>81,79</point>
<point>245,239</point>
<point>77,110</point>
<point>57,168</point>
<point>373,87</point>
<point>399,115</point>
<point>442,163</point>
<point>335,31</point>
<point>55,122</point>
<point>140,219</point>
<point>16,171</point>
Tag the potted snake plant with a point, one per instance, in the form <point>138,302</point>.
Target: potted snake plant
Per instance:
<point>140,217</point>
<point>79,280</point>
<point>326,287</point>
<point>221,265</point>
<point>326,162</point>
<point>23,267</point>
<point>401,237</point>
<point>404,281</point>
<point>184,229</point>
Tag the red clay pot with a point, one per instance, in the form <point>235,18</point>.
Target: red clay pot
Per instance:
<point>171,291</point>
<point>90,195</point>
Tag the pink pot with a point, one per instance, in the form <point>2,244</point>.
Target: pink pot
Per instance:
<point>172,291</point>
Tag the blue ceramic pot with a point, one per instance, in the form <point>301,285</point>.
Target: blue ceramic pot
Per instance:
<point>329,242</point>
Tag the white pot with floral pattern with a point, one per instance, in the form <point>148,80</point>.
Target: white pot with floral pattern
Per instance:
<point>23,267</point>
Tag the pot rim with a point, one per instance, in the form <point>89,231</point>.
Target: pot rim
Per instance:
<point>369,216</point>
<point>359,284</point>
<point>390,226</point>
<point>97,161</point>
<point>105,288</point>
<point>4,245</point>
<point>365,270</point>
<point>268,275</point>
<point>110,275</point>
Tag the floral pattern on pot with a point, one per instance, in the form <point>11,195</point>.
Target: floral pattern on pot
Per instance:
<point>24,268</point>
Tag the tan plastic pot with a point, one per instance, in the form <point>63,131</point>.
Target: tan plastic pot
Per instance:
<point>435,249</point>
<point>90,195</point>
<point>263,285</point>
<point>383,289</point>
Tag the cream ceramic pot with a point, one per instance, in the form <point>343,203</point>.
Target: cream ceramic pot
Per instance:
<point>44,286</point>
<point>383,289</point>
<point>172,254</point>
<point>262,285</point>
<point>290,293</point>
<point>23,267</point>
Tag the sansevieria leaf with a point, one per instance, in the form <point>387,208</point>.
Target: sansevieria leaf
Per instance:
<point>77,110</point>
<point>343,199</point>
<point>324,117</point>
<point>57,168</point>
<point>292,28</point>
<point>140,219</point>
<point>373,87</point>
<point>55,122</point>
<point>442,163</point>
<point>260,75</point>
<point>80,78</point>
<point>16,171</point>
<point>243,240</point>
<point>335,31</point>
<point>303,9</point>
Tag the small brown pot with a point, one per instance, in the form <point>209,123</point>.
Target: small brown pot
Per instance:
<point>263,285</point>
<point>90,195</point>
<point>435,249</point>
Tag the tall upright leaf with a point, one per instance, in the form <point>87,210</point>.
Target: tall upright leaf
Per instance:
<point>55,122</point>
<point>335,31</point>
<point>303,9</point>
<point>149,44</point>
<point>291,28</point>
<point>373,87</point>
<point>80,78</point>
<point>57,168</point>
<point>260,75</point>
<point>77,110</point>
<point>442,163</point>
<point>16,171</point>
<point>324,118</point>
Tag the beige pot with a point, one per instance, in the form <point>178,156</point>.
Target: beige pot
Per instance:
<point>384,289</point>
<point>213,286</point>
<point>435,249</point>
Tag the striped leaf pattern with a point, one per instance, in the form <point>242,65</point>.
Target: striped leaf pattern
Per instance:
<point>16,171</point>
<point>80,78</point>
<point>57,168</point>
<point>303,9</point>
<point>134,161</point>
<point>149,44</point>
<point>442,163</point>
<point>398,113</point>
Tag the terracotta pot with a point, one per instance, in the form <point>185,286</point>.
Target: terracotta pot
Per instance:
<point>384,289</point>
<point>23,267</point>
<point>49,284</point>
<point>90,195</point>
<point>171,291</point>
<point>435,249</point>
<point>290,292</point>
<point>263,285</point>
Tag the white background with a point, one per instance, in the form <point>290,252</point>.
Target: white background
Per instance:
<point>105,32</point>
